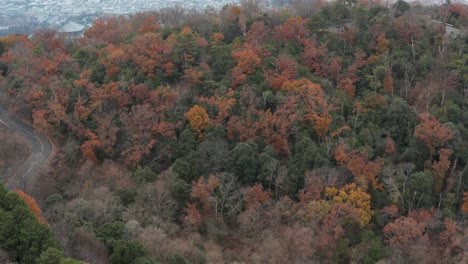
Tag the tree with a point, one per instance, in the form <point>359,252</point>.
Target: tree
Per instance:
<point>224,105</point>
<point>151,55</point>
<point>441,167</point>
<point>202,190</point>
<point>127,251</point>
<point>243,161</point>
<point>113,30</point>
<point>198,119</point>
<point>32,205</point>
<point>316,109</point>
<point>248,58</point>
<point>145,23</point>
<point>464,207</point>
<point>432,132</point>
<point>144,174</point>
<point>145,125</point>
<point>258,33</point>
<point>211,156</point>
<point>410,190</point>
<point>285,70</point>
<point>21,235</point>
<point>364,170</point>
<point>218,196</point>
<point>355,197</point>
<point>255,196</point>
<point>2,48</point>
<point>294,31</point>
<point>401,7</point>
<point>314,58</point>
<point>388,82</point>
<point>408,229</point>
<point>55,256</point>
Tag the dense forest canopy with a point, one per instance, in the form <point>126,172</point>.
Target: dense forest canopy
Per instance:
<point>318,133</point>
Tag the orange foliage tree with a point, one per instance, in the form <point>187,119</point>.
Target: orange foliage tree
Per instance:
<point>248,57</point>
<point>32,205</point>
<point>464,207</point>
<point>316,109</point>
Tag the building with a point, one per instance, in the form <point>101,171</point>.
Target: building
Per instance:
<point>72,30</point>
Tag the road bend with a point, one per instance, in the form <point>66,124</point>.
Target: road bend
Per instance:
<point>24,176</point>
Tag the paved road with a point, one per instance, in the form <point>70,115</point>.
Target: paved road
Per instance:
<point>41,151</point>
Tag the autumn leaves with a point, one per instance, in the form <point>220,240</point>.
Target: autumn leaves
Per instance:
<point>304,104</point>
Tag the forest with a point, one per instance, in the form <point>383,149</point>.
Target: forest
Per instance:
<point>321,132</point>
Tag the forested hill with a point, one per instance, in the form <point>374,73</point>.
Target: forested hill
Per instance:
<point>322,133</point>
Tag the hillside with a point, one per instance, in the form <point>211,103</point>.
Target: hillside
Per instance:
<point>325,133</point>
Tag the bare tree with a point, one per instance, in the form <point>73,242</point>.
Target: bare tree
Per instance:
<point>254,8</point>
<point>395,179</point>
<point>305,8</point>
<point>172,16</point>
<point>227,200</point>
<point>88,248</point>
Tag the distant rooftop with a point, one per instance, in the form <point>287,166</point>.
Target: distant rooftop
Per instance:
<point>71,27</point>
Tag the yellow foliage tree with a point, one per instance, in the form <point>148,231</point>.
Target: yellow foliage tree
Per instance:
<point>198,119</point>
<point>355,197</point>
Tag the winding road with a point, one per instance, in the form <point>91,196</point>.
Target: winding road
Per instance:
<point>41,151</point>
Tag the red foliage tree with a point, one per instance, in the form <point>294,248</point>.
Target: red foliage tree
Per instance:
<point>144,125</point>
<point>277,126</point>
<point>89,147</point>
<point>408,229</point>
<point>441,167</point>
<point>358,163</point>
<point>409,28</point>
<point>257,34</point>
<point>113,30</point>
<point>314,58</point>
<point>255,197</point>
<point>223,105</point>
<point>202,190</point>
<point>432,132</point>
<point>285,70</point>
<point>390,146</point>
<point>151,54</point>
<point>294,30</point>
<point>388,82</point>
